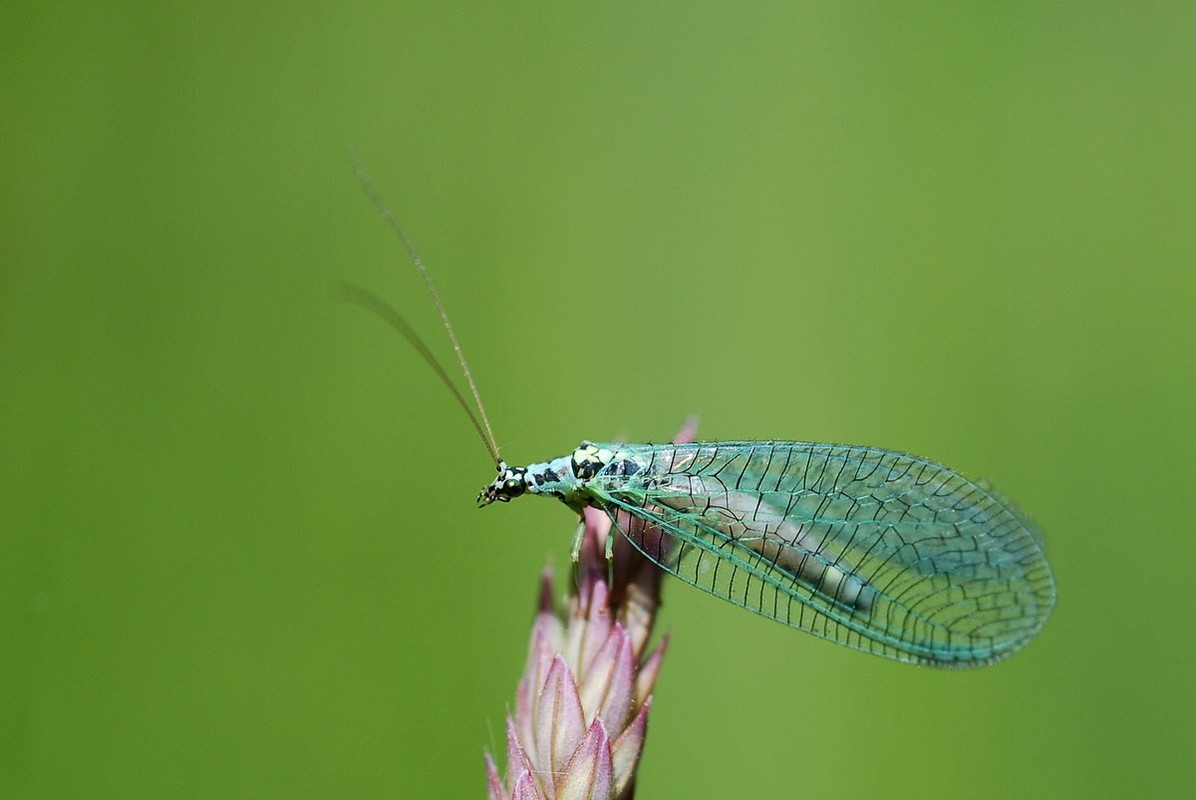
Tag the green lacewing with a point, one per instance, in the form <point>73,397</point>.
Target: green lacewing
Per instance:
<point>877,550</point>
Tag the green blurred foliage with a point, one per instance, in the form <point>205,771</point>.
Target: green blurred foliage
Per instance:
<point>238,550</point>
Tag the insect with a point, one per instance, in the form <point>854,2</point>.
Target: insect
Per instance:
<point>877,550</point>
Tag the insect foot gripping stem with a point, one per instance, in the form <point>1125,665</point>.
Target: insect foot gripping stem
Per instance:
<point>511,482</point>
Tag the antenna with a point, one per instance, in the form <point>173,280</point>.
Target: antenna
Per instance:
<point>372,302</point>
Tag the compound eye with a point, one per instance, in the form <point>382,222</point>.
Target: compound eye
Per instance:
<point>513,487</point>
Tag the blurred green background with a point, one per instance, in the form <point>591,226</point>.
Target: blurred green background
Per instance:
<point>239,554</point>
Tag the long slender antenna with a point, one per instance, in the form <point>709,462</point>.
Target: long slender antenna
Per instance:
<point>368,300</point>
<point>375,304</point>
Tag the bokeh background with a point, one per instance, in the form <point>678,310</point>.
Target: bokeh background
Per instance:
<point>239,554</point>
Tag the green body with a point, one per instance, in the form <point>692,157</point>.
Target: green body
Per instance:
<point>876,550</point>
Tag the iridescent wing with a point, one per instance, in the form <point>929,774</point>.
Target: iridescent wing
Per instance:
<point>876,550</point>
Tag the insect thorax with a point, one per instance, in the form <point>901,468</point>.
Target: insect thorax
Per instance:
<point>564,478</point>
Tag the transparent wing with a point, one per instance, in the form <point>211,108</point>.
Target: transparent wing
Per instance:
<point>876,550</point>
